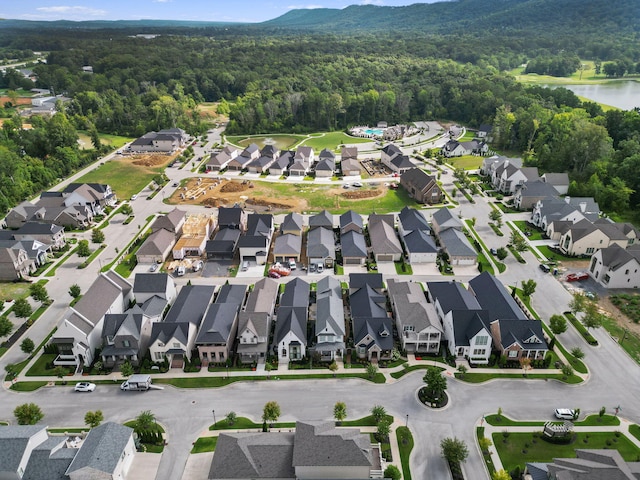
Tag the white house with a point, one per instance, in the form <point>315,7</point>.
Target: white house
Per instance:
<point>468,333</point>
<point>615,267</point>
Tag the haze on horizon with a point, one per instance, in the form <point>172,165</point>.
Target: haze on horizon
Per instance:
<point>243,11</point>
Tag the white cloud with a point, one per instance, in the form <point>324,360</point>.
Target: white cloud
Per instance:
<point>372,2</point>
<point>304,7</point>
<point>74,11</point>
<point>161,1</point>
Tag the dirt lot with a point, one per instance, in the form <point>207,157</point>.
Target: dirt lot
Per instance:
<point>19,100</point>
<point>259,196</point>
<point>149,160</point>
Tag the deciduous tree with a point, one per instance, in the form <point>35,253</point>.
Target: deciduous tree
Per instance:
<point>93,419</point>
<point>28,414</point>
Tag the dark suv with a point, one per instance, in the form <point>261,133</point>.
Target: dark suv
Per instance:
<point>545,268</point>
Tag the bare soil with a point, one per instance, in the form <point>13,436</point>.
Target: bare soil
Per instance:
<point>359,194</point>
<point>605,304</point>
<point>150,160</point>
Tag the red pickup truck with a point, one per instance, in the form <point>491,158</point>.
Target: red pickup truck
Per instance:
<point>576,277</point>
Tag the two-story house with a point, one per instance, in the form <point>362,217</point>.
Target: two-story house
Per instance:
<point>255,320</point>
<point>330,327</point>
<point>290,338</point>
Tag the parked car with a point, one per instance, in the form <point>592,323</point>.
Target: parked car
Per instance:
<point>545,268</point>
<point>565,414</point>
<point>493,251</point>
<point>134,196</point>
<point>357,184</point>
<point>576,277</point>
<point>274,274</point>
<point>84,387</point>
<point>320,268</point>
<point>175,184</point>
<point>312,267</point>
<point>154,267</point>
<point>292,264</point>
<point>198,266</point>
<point>181,271</point>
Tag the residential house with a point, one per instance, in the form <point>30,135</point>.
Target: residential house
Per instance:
<point>321,247</point>
<point>282,163</point>
<point>219,326</point>
<point>494,298</point>
<point>351,220</point>
<point>615,267</point>
<point>95,195</point>
<point>454,148</point>
<point>517,339</point>
<point>254,244</point>
<point>485,131</point>
<point>315,450</point>
<point>550,209</point>
<point>420,247</point>
<point>241,162</point>
<point>80,331</point>
<point>349,164</point>
<point>593,464</point>
<point>468,335</point>
<point>125,336</point>
<point>149,285</point>
<point>458,247</point>
<point>384,242</point>
<point>164,141</point>
<point>371,325</point>
<point>531,193</point>
<point>156,247</point>
<point>268,155</point>
<point>28,452</point>
<point>48,234</point>
<point>508,178</point>
<point>174,338</point>
<point>410,220</point>
<point>290,338</point>
<point>393,158</point>
<point>421,187</point>
<point>417,321</point>
<point>224,244</point>
<point>329,325</point>
<point>293,223</point>
<point>389,152</point>
<point>448,296</point>
<point>254,321</point>
<point>287,246</point>
<point>559,181</point>
<point>106,453</point>
<point>173,222</point>
<point>322,219</point>
<point>234,218</point>
<point>15,264</point>
<point>585,238</point>
<point>220,160</point>
<point>303,160</point>
<point>22,213</point>
<point>354,248</point>
<point>326,165</point>
<point>490,164</point>
<point>195,232</point>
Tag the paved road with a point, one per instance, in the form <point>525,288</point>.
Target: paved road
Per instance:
<point>613,380</point>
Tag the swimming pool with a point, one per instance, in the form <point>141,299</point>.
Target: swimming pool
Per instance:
<point>374,131</point>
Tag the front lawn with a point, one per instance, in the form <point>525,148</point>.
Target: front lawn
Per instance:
<point>205,444</point>
<point>39,368</point>
<point>555,255</point>
<point>524,226</point>
<point>405,445</point>
<point>520,448</point>
<point>467,162</point>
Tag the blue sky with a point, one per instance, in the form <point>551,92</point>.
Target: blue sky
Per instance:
<point>205,10</point>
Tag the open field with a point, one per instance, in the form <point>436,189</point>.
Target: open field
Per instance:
<point>113,141</point>
<point>13,290</point>
<point>587,75</point>
<point>128,175</point>
<point>466,162</point>
<point>317,141</point>
<point>287,197</point>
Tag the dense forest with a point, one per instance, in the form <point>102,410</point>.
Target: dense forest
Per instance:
<point>271,79</point>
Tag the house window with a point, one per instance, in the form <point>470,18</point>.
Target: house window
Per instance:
<point>176,345</point>
<point>205,355</point>
<point>126,343</point>
<point>478,351</point>
<point>409,328</point>
<point>362,350</point>
<point>590,250</point>
<point>626,272</point>
<point>513,353</point>
<point>606,278</point>
<point>159,356</point>
<point>482,340</point>
<point>284,352</point>
<point>221,355</point>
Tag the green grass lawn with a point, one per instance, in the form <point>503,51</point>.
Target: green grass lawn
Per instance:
<point>536,234</point>
<point>471,377</point>
<point>635,431</point>
<point>629,304</point>
<point>282,142</point>
<point>114,141</point>
<point>511,453</point>
<point>368,421</point>
<point>405,445</point>
<point>504,421</point>
<point>556,256</point>
<point>331,141</point>
<point>243,423</point>
<point>13,291</point>
<point>404,371</point>
<point>27,386</point>
<point>467,162</point>
<point>631,343</point>
<point>39,368</point>
<point>205,444</point>
<point>124,177</point>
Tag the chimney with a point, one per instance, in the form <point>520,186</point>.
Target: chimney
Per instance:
<point>567,199</point>
<point>506,163</point>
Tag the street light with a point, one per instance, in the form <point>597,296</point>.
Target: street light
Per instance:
<point>407,422</point>
<point>214,417</point>
<point>227,372</point>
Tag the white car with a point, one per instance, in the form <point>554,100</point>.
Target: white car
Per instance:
<point>154,267</point>
<point>565,414</point>
<point>357,184</point>
<point>133,197</point>
<point>84,387</point>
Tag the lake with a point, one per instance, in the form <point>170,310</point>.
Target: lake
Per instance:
<point>623,94</point>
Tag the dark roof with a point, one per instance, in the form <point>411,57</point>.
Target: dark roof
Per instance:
<point>367,302</point>
<point>419,241</point>
<point>217,324</point>
<point>467,323</point>
<point>234,294</point>
<point>230,217</point>
<point>527,334</point>
<point>350,217</point>
<point>412,219</point>
<point>98,187</point>
<point>292,221</point>
<point>359,280</point>
<point>35,228</point>
<point>402,161</point>
<point>225,241</point>
<point>456,243</point>
<point>353,244</point>
<point>326,164</point>
<point>169,221</point>
<point>191,304</point>
<point>321,243</point>
<point>418,178</point>
<point>164,332</point>
<point>494,297</point>
<point>380,329</point>
<point>452,296</point>
<point>14,440</point>
<point>320,444</point>
<point>291,319</point>
<point>288,244</point>
<point>296,294</point>
<point>102,448</point>
<point>322,219</point>
<point>49,460</point>
<point>150,282</point>
<point>615,256</point>
<point>392,150</point>
<point>537,189</point>
<point>259,224</point>
<point>445,218</point>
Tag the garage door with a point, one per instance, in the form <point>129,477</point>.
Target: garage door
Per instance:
<point>385,258</point>
<point>352,261</point>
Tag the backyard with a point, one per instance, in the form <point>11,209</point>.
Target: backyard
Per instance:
<point>467,162</point>
<point>113,141</point>
<point>317,141</point>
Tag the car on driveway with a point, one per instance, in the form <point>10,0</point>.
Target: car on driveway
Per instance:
<point>273,274</point>
<point>493,251</point>
<point>133,197</point>
<point>154,267</point>
<point>565,414</point>
<point>84,387</point>
<point>576,277</point>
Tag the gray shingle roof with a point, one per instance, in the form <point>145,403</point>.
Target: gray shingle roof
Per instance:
<point>321,243</point>
<point>262,297</point>
<point>411,305</point>
<point>367,302</point>
<point>296,294</point>
<point>217,324</point>
<point>230,217</point>
<point>384,239</point>
<point>151,283</point>
<point>322,219</point>
<point>467,323</point>
<point>330,307</point>
<point>419,241</point>
<point>291,319</point>
<point>164,332</point>
<point>13,442</point>
<point>351,218</point>
<point>170,221</point>
<point>234,294</point>
<point>379,329</point>
<point>527,334</point>
<point>292,221</point>
<point>494,297</point>
<point>49,460</point>
<point>157,243</point>
<point>445,218</point>
<point>287,244</point>
<point>452,296</point>
<point>412,219</point>
<point>456,243</point>
<point>359,280</point>
<point>537,189</point>
<point>102,448</point>
<point>191,304</point>
<point>321,444</point>
<point>100,296</point>
<point>615,256</point>
<point>353,244</point>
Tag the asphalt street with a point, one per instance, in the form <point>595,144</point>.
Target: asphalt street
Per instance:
<point>614,377</point>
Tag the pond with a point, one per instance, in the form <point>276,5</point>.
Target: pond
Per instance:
<point>624,94</point>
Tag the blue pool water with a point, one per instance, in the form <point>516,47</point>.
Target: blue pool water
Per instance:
<point>373,131</point>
